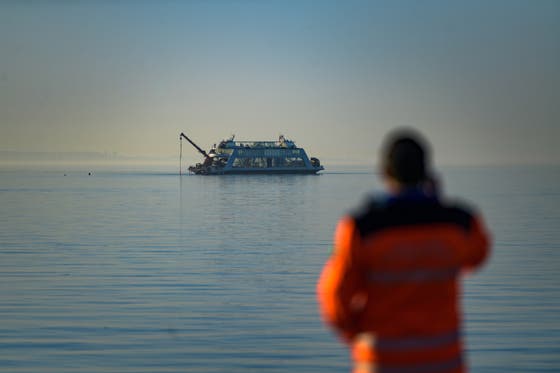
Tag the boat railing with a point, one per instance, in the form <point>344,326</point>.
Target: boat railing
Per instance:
<point>263,144</point>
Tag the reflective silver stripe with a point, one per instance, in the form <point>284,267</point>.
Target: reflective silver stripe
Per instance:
<point>421,275</point>
<point>439,367</point>
<point>384,344</point>
<point>400,344</point>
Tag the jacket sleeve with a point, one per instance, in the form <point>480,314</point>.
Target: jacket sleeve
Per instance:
<point>338,289</point>
<point>478,245</point>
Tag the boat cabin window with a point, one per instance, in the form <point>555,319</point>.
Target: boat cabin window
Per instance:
<point>268,162</point>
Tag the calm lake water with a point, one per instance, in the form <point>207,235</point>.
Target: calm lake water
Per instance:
<point>145,271</point>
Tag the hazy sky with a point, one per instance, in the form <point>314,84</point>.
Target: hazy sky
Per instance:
<point>481,79</point>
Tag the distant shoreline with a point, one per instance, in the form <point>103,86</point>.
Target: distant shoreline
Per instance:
<point>14,158</point>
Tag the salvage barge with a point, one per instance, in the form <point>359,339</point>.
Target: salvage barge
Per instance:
<point>254,157</point>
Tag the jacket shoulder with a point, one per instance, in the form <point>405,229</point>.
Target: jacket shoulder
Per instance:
<point>370,216</point>
<point>378,215</point>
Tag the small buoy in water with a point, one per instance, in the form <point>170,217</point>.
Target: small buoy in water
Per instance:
<point>89,173</point>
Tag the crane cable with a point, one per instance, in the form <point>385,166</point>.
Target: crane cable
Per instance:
<point>180,154</point>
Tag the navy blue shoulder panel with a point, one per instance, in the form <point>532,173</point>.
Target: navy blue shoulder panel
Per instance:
<point>379,215</point>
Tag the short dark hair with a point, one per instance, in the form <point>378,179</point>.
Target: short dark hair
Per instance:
<point>405,157</point>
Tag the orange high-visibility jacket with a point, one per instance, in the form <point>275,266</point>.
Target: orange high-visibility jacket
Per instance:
<point>391,287</point>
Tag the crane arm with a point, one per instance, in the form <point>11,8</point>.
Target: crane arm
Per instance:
<point>201,151</point>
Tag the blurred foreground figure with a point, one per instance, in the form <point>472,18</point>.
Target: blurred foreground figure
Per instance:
<point>391,288</point>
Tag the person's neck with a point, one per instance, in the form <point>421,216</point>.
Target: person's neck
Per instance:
<point>398,191</point>
<point>396,188</point>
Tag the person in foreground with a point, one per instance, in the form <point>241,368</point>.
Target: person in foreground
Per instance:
<point>391,287</point>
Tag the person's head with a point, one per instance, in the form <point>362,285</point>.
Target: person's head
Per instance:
<point>405,159</point>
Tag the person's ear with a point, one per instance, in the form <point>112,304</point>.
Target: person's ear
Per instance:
<point>386,171</point>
